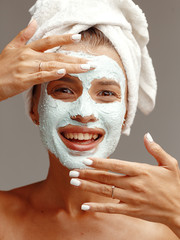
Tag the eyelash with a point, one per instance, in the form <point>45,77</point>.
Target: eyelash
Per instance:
<point>106,91</point>
<point>62,90</point>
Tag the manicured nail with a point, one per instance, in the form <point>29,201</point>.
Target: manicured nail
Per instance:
<point>85,66</point>
<point>61,71</point>
<point>76,37</point>
<point>93,64</point>
<point>149,137</point>
<point>85,207</point>
<point>75,182</point>
<point>87,162</point>
<point>74,174</point>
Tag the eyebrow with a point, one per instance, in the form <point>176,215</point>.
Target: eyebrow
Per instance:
<point>68,78</point>
<point>107,83</point>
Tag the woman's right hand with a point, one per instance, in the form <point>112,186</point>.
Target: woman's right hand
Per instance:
<point>22,66</point>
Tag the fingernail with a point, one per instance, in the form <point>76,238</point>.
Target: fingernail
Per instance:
<point>149,137</point>
<point>93,64</point>
<point>61,71</point>
<point>85,207</point>
<point>87,162</point>
<point>75,182</point>
<point>76,37</point>
<point>74,174</point>
<point>85,66</point>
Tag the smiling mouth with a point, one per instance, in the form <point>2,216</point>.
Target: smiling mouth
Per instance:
<point>81,138</point>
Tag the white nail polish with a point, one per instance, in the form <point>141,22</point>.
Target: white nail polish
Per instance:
<point>74,174</point>
<point>85,207</point>
<point>61,71</point>
<point>85,66</point>
<point>93,64</point>
<point>75,182</point>
<point>76,37</point>
<point>149,137</point>
<point>87,162</point>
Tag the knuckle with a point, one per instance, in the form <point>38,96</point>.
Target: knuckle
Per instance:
<point>48,41</point>
<point>137,187</point>
<point>175,162</point>
<point>110,210</point>
<point>60,57</point>
<point>51,66</point>
<point>19,68</point>
<point>23,36</point>
<point>116,166</point>
<point>106,190</point>
<point>39,76</point>
<point>103,177</point>
<point>24,55</point>
<point>156,149</point>
<point>65,39</point>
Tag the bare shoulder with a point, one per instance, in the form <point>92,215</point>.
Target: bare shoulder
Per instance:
<point>16,199</point>
<point>158,231</point>
<point>134,228</point>
<point>166,233</point>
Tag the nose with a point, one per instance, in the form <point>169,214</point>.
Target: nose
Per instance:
<point>85,119</point>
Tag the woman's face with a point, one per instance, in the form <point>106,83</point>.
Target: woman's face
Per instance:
<point>81,115</point>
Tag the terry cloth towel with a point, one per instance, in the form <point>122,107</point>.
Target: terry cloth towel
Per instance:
<point>124,23</point>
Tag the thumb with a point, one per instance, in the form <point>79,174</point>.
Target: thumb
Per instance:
<point>24,35</point>
<point>162,157</point>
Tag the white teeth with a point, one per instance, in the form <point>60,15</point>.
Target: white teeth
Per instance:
<point>81,136</point>
<point>86,136</point>
<point>71,136</point>
<point>95,136</point>
<point>75,136</point>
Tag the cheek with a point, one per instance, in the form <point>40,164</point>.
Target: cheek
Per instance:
<point>112,115</point>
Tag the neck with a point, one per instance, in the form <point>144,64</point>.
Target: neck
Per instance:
<point>56,192</point>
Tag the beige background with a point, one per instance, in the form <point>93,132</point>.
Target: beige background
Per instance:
<point>23,159</point>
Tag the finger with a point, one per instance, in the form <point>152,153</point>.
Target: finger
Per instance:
<point>53,41</point>
<point>70,68</point>
<point>102,189</point>
<point>59,57</point>
<point>40,77</point>
<point>113,208</point>
<point>23,36</point>
<point>102,177</point>
<point>162,157</point>
<point>114,165</point>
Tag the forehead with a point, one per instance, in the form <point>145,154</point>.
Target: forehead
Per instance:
<point>107,69</point>
<point>96,51</point>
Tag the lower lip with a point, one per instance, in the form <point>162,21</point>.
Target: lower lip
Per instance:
<point>84,145</point>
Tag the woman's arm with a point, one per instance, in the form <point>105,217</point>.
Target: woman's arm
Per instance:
<point>22,66</point>
<point>148,192</point>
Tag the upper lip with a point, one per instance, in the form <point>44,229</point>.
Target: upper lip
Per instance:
<point>78,129</point>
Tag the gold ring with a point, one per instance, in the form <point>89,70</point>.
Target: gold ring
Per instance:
<point>112,195</point>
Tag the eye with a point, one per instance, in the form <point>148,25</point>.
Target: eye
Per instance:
<point>62,90</point>
<point>106,93</point>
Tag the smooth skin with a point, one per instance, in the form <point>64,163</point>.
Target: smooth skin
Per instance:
<point>51,209</point>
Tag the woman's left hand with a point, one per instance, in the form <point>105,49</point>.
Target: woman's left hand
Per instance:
<point>144,191</point>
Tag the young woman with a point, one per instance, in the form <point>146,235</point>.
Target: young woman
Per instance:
<point>80,107</point>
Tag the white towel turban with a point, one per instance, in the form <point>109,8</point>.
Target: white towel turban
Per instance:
<point>123,23</point>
